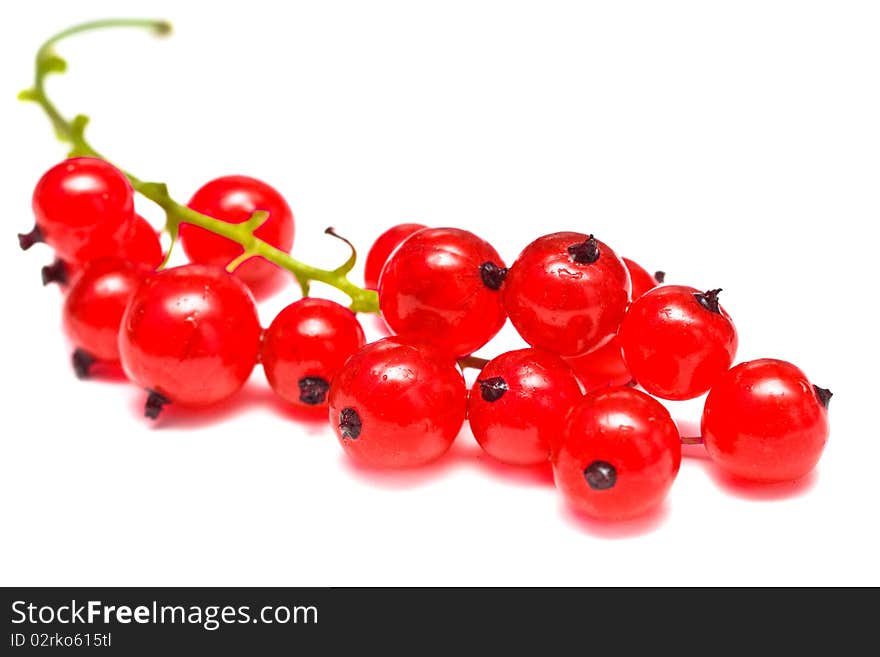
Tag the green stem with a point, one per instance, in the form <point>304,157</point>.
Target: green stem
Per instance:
<point>73,132</point>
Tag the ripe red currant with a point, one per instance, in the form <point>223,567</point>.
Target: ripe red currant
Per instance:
<point>641,280</point>
<point>567,292</point>
<point>517,406</point>
<point>382,249</point>
<point>442,285</point>
<point>764,421</point>
<point>190,335</point>
<point>620,453</point>
<point>94,307</point>
<point>677,341</point>
<point>305,346</point>
<point>605,366</point>
<point>234,199</point>
<point>84,208</point>
<point>141,244</point>
<point>395,404</point>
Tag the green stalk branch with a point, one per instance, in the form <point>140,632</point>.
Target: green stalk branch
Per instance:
<point>72,132</point>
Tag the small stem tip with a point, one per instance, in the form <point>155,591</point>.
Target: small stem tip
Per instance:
<point>55,273</point>
<point>472,362</point>
<point>154,404</point>
<point>691,440</point>
<point>27,240</point>
<point>660,277</point>
<point>823,394</point>
<point>82,362</point>
<point>492,275</point>
<point>586,252</point>
<point>709,300</point>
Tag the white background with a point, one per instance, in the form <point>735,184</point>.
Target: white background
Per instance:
<point>731,144</point>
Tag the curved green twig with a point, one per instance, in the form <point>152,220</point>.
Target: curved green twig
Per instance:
<point>73,132</point>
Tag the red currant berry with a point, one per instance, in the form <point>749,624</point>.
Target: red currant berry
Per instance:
<point>764,421</point>
<point>641,280</point>
<point>602,368</point>
<point>395,404</point>
<point>517,406</point>
<point>305,346</point>
<point>190,335</point>
<point>677,341</point>
<point>567,292</point>
<point>442,286</point>
<point>605,366</point>
<point>234,199</point>
<point>382,249</point>
<point>94,307</point>
<point>141,245</point>
<point>84,208</point>
<point>619,455</point>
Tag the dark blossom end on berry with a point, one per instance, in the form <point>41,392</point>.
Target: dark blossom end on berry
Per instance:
<point>350,425</point>
<point>600,475</point>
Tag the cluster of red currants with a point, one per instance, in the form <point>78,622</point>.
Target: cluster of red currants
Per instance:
<point>597,326</point>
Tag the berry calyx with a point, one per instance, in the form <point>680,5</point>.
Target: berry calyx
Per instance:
<point>313,390</point>
<point>305,346</point>
<point>492,389</point>
<point>764,421</point>
<point>82,362</point>
<point>677,341</point>
<point>492,275</point>
<point>517,407</point>
<point>709,300</point>
<point>27,240</point>
<point>397,404</point>
<point>349,424</point>
<point>600,475</point>
<point>619,454</point>
<point>824,395</point>
<point>56,272</point>
<point>441,286</point>
<point>567,293</point>
<point>154,404</point>
<point>586,252</point>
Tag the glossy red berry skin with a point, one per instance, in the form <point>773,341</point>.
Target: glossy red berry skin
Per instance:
<point>619,454</point>
<point>84,208</point>
<point>234,199</point>
<point>641,279</point>
<point>95,303</point>
<point>602,368</point>
<point>305,346</point>
<point>605,366</point>
<point>382,249</point>
<point>396,405</point>
<point>442,286</point>
<point>764,421</point>
<point>141,244</point>
<point>517,406</point>
<point>191,334</point>
<point>567,293</point>
<point>675,346</point>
